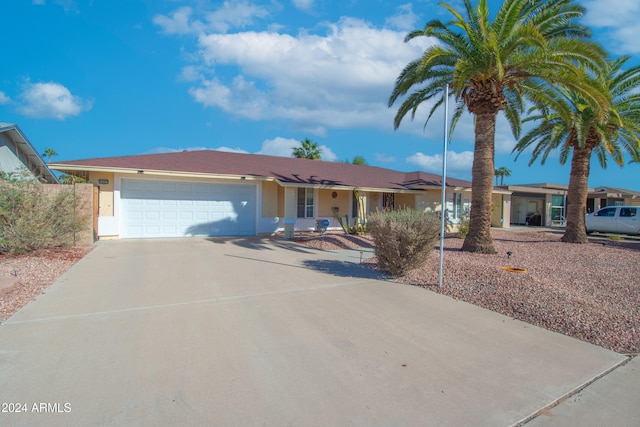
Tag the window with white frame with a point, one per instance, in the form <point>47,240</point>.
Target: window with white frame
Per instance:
<point>457,205</point>
<point>305,202</point>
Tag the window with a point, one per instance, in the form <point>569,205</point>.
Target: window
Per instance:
<point>457,205</point>
<point>557,208</point>
<point>388,201</point>
<point>628,212</point>
<point>606,212</point>
<point>305,202</point>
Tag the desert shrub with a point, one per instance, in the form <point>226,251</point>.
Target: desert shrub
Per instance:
<point>463,225</point>
<point>403,238</point>
<point>32,218</point>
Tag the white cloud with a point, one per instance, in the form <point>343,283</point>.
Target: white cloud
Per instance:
<point>327,154</point>
<point>213,94</point>
<point>190,73</point>
<point>231,150</point>
<point>234,14</point>
<point>4,98</point>
<point>304,5</point>
<point>404,19</point>
<point>179,22</point>
<point>278,146</point>
<point>51,100</point>
<point>341,79</point>
<point>618,18</point>
<point>458,164</point>
<point>231,14</point>
<point>283,147</point>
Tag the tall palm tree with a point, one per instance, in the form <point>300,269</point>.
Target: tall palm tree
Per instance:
<point>49,153</point>
<point>307,150</point>
<point>571,125</point>
<point>492,66</point>
<point>501,172</point>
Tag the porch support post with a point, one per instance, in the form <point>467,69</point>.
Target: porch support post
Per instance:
<point>506,211</point>
<point>290,211</point>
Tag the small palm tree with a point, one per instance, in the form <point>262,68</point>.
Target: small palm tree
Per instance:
<point>492,66</point>
<point>307,150</point>
<point>571,125</point>
<point>49,153</point>
<point>502,172</point>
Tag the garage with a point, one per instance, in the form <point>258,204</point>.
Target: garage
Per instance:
<point>156,208</point>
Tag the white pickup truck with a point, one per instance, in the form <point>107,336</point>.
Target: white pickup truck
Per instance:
<point>615,219</point>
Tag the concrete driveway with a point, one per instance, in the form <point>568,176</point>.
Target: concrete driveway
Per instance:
<point>247,332</point>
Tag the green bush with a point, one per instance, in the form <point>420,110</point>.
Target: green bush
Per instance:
<point>403,239</point>
<point>463,225</point>
<point>32,218</point>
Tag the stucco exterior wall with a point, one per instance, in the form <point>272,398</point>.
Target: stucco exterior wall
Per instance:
<point>270,199</point>
<point>405,201</point>
<point>430,201</point>
<point>326,202</point>
<point>501,211</point>
<point>105,183</point>
<point>280,212</point>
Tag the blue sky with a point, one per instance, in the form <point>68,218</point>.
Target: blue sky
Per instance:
<point>124,77</point>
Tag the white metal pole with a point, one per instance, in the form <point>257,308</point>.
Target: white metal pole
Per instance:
<point>444,180</point>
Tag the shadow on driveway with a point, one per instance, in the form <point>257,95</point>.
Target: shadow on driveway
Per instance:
<point>334,267</point>
<point>259,243</point>
<point>342,269</point>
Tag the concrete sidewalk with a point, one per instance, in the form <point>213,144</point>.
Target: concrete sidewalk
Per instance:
<point>244,332</point>
<point>613,400</point>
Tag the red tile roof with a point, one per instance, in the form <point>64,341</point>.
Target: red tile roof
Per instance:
<point>284,169</point>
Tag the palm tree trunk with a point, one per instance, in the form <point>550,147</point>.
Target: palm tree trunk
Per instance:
<point>577,196</point>
<point>479,237</point>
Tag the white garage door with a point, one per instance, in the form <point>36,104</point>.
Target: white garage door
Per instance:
<point>153,208</point>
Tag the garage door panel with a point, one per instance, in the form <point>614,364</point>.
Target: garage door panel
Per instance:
<point>152,229</point>
<point>151,215</point>
<point>153,208</point>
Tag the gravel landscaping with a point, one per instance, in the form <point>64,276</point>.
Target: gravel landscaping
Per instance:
<point>589,291</point>
<point>34,274</point>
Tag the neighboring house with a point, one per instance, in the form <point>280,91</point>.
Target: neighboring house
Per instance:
<point>215,193</point>
<point>17,155</point>
<point>538,204</point>
<point>601,197</point>
<point>546,204</point>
